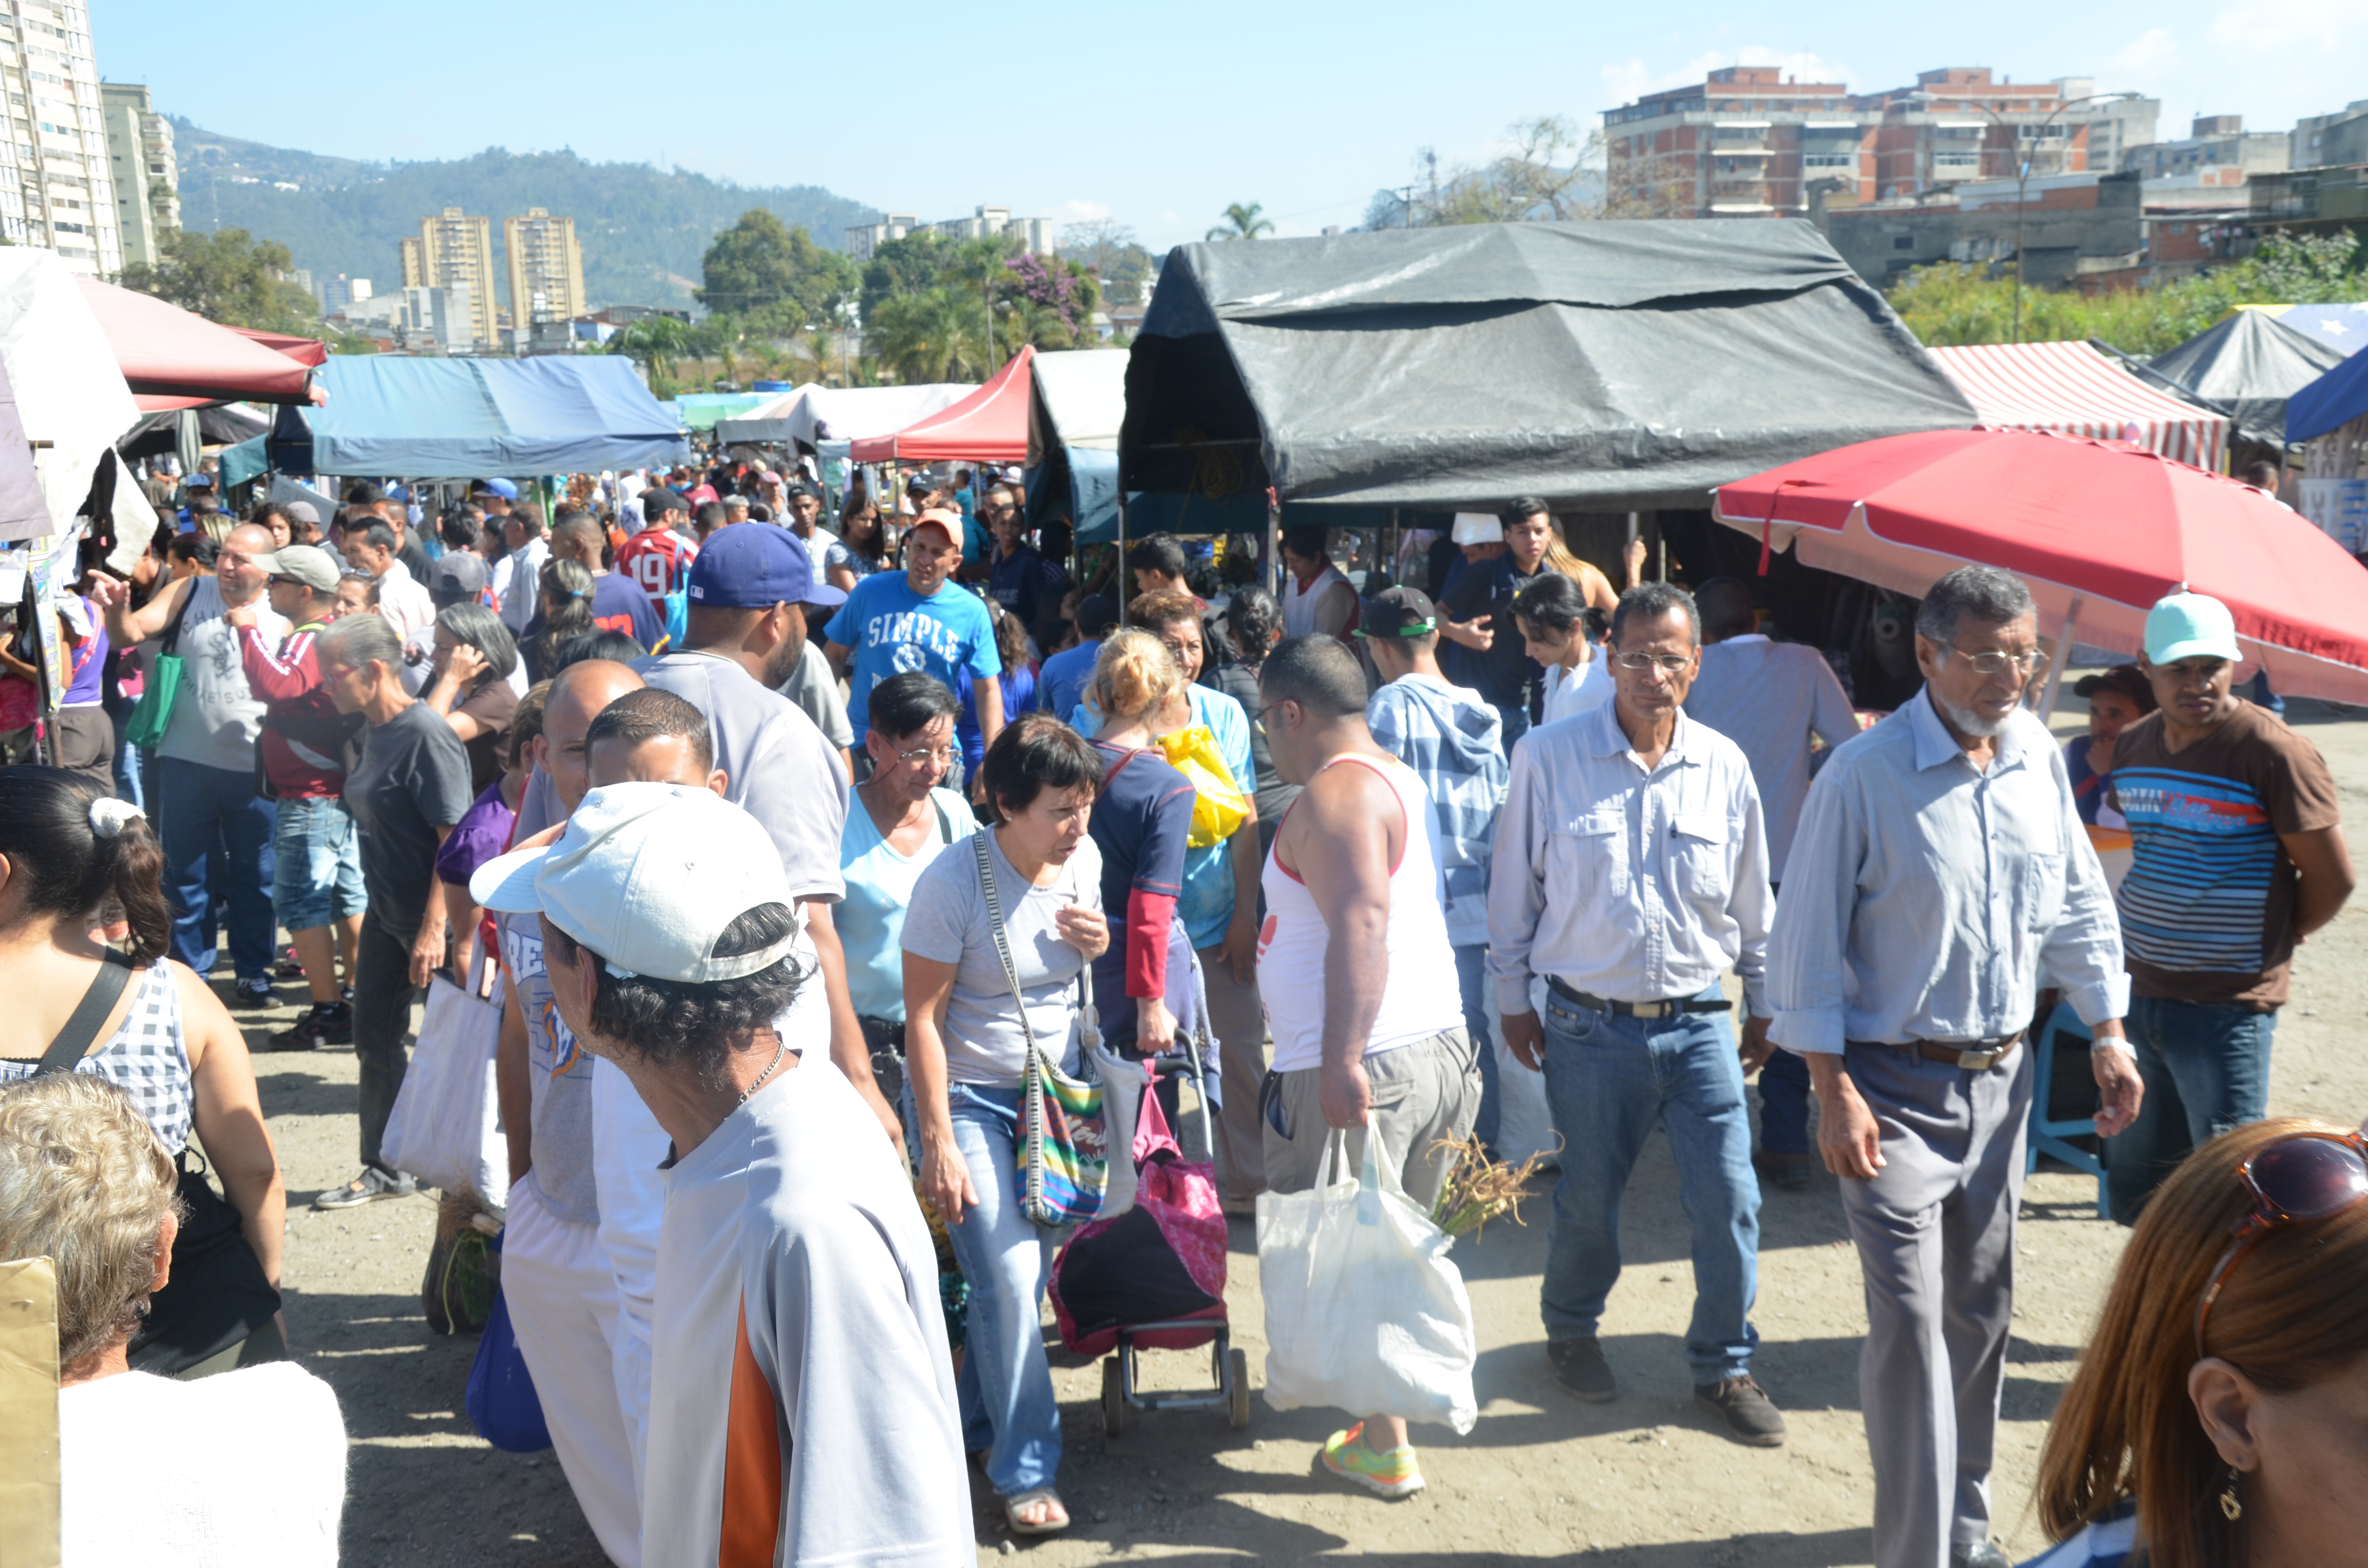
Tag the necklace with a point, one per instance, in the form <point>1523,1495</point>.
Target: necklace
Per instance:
<point>778,1052</point>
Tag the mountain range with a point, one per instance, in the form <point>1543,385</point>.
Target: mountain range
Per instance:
<point>642,230</point>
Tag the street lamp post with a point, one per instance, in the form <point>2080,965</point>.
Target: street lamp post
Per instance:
<point>2022,176</point>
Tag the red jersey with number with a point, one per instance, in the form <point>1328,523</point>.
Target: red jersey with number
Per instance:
<point>658,559</point>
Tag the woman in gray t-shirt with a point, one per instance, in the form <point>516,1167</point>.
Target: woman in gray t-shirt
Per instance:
<point>965,1051</point>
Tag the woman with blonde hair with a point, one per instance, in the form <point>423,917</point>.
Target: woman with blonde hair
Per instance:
<point>85,1182</point>
<point>2215,1420</point>
<point>1141,820</point>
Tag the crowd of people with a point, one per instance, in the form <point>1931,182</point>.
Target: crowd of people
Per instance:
<point>801,850</point>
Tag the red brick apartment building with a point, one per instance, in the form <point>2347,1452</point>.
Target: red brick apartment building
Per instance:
<point>1748,142</point>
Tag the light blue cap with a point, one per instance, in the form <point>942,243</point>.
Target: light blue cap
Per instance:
<point>2191,626</point>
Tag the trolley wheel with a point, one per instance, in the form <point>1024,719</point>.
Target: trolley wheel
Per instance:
<point>1237,1395</point>
<point>1113,1398</point>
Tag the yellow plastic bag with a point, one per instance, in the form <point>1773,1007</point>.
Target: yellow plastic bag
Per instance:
<point>1219,806</point>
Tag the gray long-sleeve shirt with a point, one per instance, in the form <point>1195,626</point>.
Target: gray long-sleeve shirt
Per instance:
<point>1769,699</point>
<point>1629,884</point>
<point>1925,895</point>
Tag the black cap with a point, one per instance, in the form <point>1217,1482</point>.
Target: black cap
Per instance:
<point>2127,679</point>
<point>657,501</point>
<point>1399,612</point>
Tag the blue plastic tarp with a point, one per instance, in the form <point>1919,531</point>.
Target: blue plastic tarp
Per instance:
<point>2335,400</point>
<point>467,418</point>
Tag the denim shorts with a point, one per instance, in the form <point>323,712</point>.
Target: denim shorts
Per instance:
<point>318,876</point>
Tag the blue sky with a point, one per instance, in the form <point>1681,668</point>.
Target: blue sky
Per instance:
<point>1157,115</point>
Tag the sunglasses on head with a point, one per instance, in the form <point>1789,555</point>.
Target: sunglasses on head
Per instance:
<point>2299,1179</point>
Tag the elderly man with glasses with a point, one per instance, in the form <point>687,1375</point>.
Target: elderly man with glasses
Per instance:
<point>1629,870</point>
<point>1939,868</point>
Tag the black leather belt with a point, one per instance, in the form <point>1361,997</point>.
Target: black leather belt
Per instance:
<point>1636,1009</point>
<point>1973,1056</point>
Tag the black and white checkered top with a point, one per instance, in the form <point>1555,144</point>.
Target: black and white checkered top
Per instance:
<point>146,1058</point>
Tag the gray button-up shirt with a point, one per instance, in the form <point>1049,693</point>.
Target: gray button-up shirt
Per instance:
<point>1631,884</point>
<point>1924,895</point>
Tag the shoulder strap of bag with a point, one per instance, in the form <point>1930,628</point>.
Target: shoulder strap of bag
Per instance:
<point>74,1040</point>
<point>171,641</point>
<point>945,823</point>
<point>995,925</point>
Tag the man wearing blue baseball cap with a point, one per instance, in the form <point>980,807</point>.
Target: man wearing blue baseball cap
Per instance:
<point>745,633</point>
<point>2237,855</point>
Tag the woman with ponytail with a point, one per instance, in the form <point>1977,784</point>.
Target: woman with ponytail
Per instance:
<point>1141,820</point>
<point>78,870</point>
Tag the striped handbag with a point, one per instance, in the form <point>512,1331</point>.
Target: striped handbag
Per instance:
<point>1063,1149</point>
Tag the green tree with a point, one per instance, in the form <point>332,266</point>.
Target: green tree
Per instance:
<point>1244,220</point>
<point>760,266</point>
<point>658,344</point>
<point>935,334</point>
<point>1108,252</point>
<point>228,276</point>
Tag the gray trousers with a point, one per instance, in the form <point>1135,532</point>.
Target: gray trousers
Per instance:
<point>1935,1232</point>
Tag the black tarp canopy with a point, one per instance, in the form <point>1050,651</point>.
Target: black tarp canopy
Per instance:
<point>2250,364</point>
<point>1606,366</point>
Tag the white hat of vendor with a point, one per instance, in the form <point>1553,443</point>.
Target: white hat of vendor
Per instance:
<point>1478,527</point>
<point>649,877</point>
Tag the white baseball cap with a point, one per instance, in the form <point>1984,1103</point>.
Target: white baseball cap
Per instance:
<point>1478,527</point>
<point>649,876</point>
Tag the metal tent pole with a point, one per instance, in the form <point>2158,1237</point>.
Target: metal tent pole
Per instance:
<point>2044,698</point>
<point>1122,546</point>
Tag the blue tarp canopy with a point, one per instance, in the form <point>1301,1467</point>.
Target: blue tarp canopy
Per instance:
<point>467,418</point>
<point>2335,400</point>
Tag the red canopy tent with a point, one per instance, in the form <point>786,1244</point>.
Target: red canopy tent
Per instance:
<point>303,351</point>
<point>989,425</point>
<point>2099,530</point>
<point>174,358</point>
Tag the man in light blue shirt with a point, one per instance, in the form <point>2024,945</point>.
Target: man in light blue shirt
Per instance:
<point>1939,869</point>
<point>916,620</point>
<point>1631,868</point>
<point>1060,681</point>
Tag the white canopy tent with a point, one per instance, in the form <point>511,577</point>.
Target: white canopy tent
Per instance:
<point>71,400</point>
<point>816,413</point>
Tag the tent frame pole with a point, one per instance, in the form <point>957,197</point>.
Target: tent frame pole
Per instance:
<point>2045,698</point>
<point>1122,549</point>
<point>1274,548</point>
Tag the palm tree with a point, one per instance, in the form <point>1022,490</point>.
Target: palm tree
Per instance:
<point>938,334</point>
<point>1244,220</point>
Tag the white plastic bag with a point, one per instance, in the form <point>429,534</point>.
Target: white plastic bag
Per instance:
<point>1364,1314</point>
<point>445,1131</point>
<point>1525,1122</point>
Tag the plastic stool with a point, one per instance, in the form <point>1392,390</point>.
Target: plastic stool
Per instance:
<point>2052,1137</point>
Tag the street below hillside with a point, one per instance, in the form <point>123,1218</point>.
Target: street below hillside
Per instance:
<point>1644,1481</point>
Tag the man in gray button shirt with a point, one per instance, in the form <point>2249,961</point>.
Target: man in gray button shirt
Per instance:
<point>1939,868</point>
<point>1631,868</point>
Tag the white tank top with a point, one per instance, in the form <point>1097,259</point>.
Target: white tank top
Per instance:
<point>1421,997</point>
<point>1298,609</point>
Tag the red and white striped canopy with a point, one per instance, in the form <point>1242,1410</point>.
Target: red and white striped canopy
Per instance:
<point>2072,388</point>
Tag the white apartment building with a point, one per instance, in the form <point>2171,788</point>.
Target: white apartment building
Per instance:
<point>146,174</point>
<point>56,187</point>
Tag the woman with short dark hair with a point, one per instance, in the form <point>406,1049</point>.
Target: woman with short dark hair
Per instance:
<point>407,793</point>
<point>967,1041</point>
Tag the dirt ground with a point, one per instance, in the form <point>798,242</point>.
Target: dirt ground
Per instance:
<point>1644,1482</point>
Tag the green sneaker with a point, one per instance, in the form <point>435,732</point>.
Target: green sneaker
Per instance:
<point>1392,1474</point>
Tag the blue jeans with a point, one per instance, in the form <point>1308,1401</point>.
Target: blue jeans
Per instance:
<point>1472,979</point>
<point>216,833</point>
<point>1607,1078</point>
<point>2206,1067</point>
<point>1006,1386</point>
<point>1513,723</point>
<point>1784,1104</point>
<point>317,875</point>
<point>128,761</point>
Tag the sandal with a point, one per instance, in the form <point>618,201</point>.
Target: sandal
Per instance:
<point>1012,1505</point>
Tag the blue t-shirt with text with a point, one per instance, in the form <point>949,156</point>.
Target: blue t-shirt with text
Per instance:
<point>891,629</point>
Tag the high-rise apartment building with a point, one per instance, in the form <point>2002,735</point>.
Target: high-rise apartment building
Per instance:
<point>455,251</point>
<point>1749,141</point>
<point>146,176</point>
<point>546,266</point>
<point>56,187</point>
<point>1035,234</point>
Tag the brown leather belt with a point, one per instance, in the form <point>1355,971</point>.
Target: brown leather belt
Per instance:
<point>1973,1056</point>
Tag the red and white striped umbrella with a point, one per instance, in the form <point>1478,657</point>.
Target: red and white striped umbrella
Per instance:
<point>2071,388</point>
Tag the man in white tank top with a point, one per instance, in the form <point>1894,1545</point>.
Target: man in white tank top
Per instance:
<point>1362,1001</point>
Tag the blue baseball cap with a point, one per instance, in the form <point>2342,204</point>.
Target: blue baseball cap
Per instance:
<point>501,487</point>
<point>756,566</point>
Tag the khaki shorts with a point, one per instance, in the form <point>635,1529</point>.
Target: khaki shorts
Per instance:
<point>1423,1093</point>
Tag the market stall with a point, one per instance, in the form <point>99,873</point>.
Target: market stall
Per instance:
<point>468,418</point>
<point>172,358</point>
<point>2329,419</point>
<point>990,424</point>
<point>2073,388</point>
<point>1075,409</point>
<point>813,414</point>
<point>2250,364</point>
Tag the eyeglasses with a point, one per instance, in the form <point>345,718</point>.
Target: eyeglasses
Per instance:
<point>927,753</point>
<point>1258,719</point>
<point>2297,1179</point>
<point>1671,665</point>
<point>1996,662</point>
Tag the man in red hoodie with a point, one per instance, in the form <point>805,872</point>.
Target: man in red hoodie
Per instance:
<point>317,886</point>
